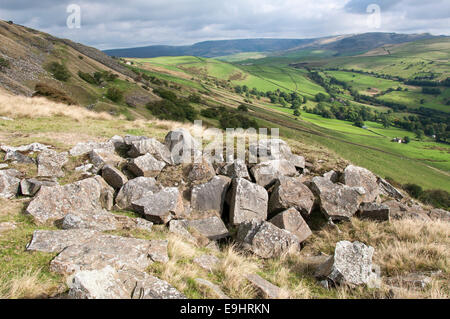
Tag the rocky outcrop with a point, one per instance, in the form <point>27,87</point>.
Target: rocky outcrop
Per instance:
<point>102,157</point>
<point>146,166</point>
<point>9,183</point>
<point>212,228</point>
<point>248,201</point>
<point>160,207</point>
<point>355,176</point>
<point>50,163</point>
<point>292,221</point>
<point>291,192</point>
<point>265,239</point>
<point>337,201</point>
<point>210,197</point>
<point>267,173</point>
<point>150,146</point>
<point>389,190</point>
<point>350,265</point>
<point>86,148</point>
<point>55,241</point>
<point>114,177</point>
<point>30,186</point>
<point>134,190</point>
<point>182,146</point>
<point>374,211</point>
<point>203,171</point>
<point>236,169</point>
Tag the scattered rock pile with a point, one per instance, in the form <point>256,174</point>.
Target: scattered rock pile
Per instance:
<point>269,203</point>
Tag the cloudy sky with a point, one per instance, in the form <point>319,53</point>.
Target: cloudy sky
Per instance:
<point>109,24</point>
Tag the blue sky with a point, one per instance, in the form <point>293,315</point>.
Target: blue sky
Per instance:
<point>117,24</point>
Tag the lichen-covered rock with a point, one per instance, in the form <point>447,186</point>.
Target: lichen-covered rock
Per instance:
<point>275,149</point>
<point>101,157</point>
<point>265,239</point>
<point>351,264</point>
<point>17,157</point>
<point>100,220</point>
<point>55,241</point>
<point>237,169</point>
<point>160,207</point>
<point>30,186</point>
<point>135,189</point>
<point>355,176</point>
<point>9,183</point>
<point>210,197</point>
<point>150,146</point>
<point>248,201</point>
<point>267,289</point>
<point>182,146</point>
<point>398,210</point>
<point>439,214</point>
<point>267,173</point>
<point>83,197</point>
<point>292,221</point>
<point>212,228</point>
<point>337,201</point>
<point>101,251</point>
<point>33,147</point>
<point>114,177</point>
<point>50,163</point>
<point>207,262</point>
<point>146,166</point>
<point>86,147</point>
<point>374,211</point>
<point>203,171</point>
<point>291,192</point>
<point>387,189</point>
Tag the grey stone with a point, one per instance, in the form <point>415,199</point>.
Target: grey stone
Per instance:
<point>113,176</point>
<point>17,157</point>
<point>162,206</point>
<point>268,290</point>
<point>203,171</point>
<point>101,251</point>
<point>83,197</point>
<point>207,262</point>
<point>266,173</point>
<point>101,157</point>
<point>213,287</point>
<point>180,228</point>
<point>3,166</point>
<point>265,239</point>
<point>50,163</point>
<point>9,183</point>
<point>237,169</point>
<point>143,224</point>
<point>100,220</point>
<point>389,190</point>
<point>337,201</point>
<point>87,147</point>
<point>439,214</point>
<point>55,241</point>
<point>182,146</point>
<point>33,147</point>
<point>291,192</point>
<point>212,228</point>
<point>374,211</point>
<point>211,195</point>
<point>135,189</point>
<point>412,280</point>
<point>152,147</point>
<point>332,176</point>
<point>292,221</point>
<point>351,264</point>
<point>146,166</point>
<point>30,186</point>
<point>355,176</point>
<point>248,201</point>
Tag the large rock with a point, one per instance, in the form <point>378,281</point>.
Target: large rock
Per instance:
<point>87,147</point>
<point>439,214</point>
<point>9,183</point>
<point>337,201</point>
<point>387,189</point>
<point>292,221</point>
<point>50,163</point>
<point>101,157</point>
<point>33,147</point>
<point>83,197</point>
<point>182,146</point>
<point>373,211</point>
<point>212,228</point>
<point>210,197</point>
<point>109,283</point>
<point>266,173</point>
<point>201,171</point>
<point>248,201</point>
<point>398,211</point>
<point>105,250</point>
<point>275,149</point>
<point>291,192</point>
<point>351,264</point>
<point>267,289</point>
<point>101,220</point>
<point>265,239</point>
<point>150,146</point>
<point>29,187</point>
<point>55,241</point>
<point>146,166</point>
<point>17,157</point>
<point>160,207</point>
<point>114,177</point>
<point>134,190</point>
<point>237,169</point>
<point>355,176</point>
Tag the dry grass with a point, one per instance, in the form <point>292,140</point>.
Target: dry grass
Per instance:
<point>25,284</point>
<point>25,107</point>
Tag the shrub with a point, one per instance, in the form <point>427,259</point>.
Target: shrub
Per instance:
<point>243,108</point>
<point>87,77</point>
<point>59,71</point>
<point>195,98</point>
<point>168,110</point>
<point>4,63</point>
<point>237,121</point>
<point>413,190</point>
<point>436,198</point>
<point>42,89</point>
<point>211,113</point>
<point>114,94</point>
<point>168,95</point>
